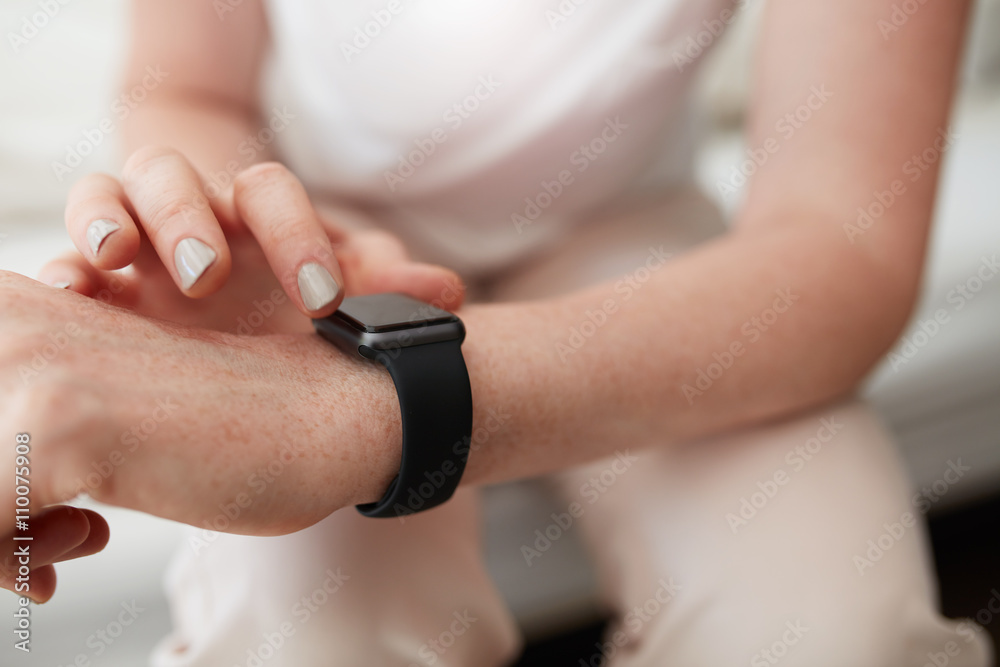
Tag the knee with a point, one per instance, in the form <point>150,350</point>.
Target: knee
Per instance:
<point>827,633</point>
<point>905,631</point>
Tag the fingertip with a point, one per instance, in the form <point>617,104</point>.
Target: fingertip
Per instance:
<point>42,585</point>
<point>68,526</point>
<point>73,518</point>
<point>99,222</point>
<point>452,293</point>
<point>98,525</point>
<point>97,538</point>
<point>201,269</point>
<point>74,273</point>
<point>320,289</point>
<point>63,274</point>
<point>429,283</point>
<point>112,244</point>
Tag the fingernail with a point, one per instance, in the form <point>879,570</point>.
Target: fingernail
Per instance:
<point>192,257</point>
<point>317,286</point>
<point>98,231</point>
<point>62,284</point>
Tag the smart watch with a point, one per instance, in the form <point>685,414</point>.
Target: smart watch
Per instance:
<point>421,347</point>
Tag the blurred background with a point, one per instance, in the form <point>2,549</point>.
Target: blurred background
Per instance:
<point>58,87</point>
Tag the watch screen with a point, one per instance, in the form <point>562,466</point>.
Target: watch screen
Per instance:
<point>387,312</point>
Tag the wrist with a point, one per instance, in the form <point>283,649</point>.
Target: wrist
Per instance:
<point>350,416</point>
<point>506,358</point>
<point>535,412</point>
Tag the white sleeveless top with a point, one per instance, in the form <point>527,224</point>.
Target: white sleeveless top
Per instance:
<point>488,126</point>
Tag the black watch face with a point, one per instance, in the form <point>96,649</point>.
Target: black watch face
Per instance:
<point>379,313</point>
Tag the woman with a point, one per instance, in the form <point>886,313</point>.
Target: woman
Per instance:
<point>539,155</point>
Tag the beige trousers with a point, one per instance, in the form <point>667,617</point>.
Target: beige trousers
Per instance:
<point>796,543</point>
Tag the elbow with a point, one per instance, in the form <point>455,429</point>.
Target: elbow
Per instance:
<point>887,298</point>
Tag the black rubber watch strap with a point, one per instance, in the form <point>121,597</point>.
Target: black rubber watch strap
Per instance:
<point>435,402</point>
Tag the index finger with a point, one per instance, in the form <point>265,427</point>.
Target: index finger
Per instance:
<point>169,200</point>
<point>276,208</point>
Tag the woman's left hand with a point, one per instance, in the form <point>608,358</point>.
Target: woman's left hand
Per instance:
<point>250,434</point>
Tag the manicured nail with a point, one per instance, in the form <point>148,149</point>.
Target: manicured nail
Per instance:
<point>192,257</point>
<point>98,231</point>
<point>62,284</point>
<point>317,286</point>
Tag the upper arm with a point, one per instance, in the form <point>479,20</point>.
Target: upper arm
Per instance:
<point>213,56</point>
<point>888,84</point>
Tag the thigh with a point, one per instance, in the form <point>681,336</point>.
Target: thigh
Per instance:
<point>747,548</point>
<point>797,542</point>
<point>348,591</point>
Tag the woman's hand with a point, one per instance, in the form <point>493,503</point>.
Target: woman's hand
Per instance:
<point>269,254</point>
<point>251,434</point>
<point>209,262</point>
<point>59,534</point>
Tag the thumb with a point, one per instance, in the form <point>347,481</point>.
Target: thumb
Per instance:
<point>374,262</point>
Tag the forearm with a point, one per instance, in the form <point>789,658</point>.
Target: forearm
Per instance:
<point>683,357</point>
<point>220,140</point>
<point>701,347</point>
<point>205,105</point>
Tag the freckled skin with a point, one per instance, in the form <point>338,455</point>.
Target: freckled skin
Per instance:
<point>232,404</point>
